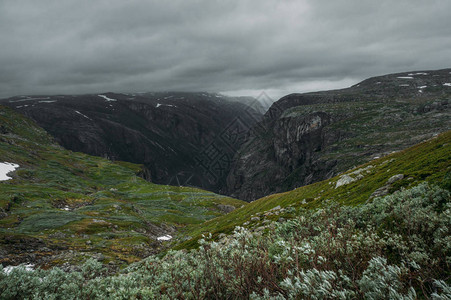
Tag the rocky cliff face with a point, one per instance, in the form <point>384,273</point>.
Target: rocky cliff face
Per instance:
<point>305,138</point>
<point>182,138</point>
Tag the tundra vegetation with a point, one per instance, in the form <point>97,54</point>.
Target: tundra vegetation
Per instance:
<point>394,247</point>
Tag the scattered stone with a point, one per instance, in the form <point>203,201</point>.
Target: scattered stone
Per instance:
<point>343,180</point>
<point>347,178</point>
<point>140,230</point>
<point>226,208</point>
<point>57,235</point>
<point>395,178</point>
<point>382,191</point>
<point>255,219</point>
<point>99,257</point>
<point>98,221</point>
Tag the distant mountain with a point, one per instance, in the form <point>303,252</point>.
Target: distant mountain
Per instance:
<point>305,138</point>
<point>182,138</point>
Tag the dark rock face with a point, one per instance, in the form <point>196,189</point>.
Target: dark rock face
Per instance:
<point>305,138</point>
<point>170,133</point>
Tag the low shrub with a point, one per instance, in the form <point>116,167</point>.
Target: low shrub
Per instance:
<point>396,247</point>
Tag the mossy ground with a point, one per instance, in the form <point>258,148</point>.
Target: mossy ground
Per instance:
<point>87,203</point>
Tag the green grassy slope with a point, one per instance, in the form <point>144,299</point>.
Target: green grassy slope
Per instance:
<point>430,161</point>
<point>63,206</point>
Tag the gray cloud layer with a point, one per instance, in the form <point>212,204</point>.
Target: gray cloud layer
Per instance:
<point>240,47</point>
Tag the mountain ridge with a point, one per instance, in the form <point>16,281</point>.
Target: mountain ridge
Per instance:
<point>170,133</point>
<point>304,138</point>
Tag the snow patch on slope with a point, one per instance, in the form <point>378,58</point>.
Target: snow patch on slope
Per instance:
<point>5,168</point>
<point>106,98</point>
<point>159,104</point>
<point>164,238</point>
<point>83,115</point>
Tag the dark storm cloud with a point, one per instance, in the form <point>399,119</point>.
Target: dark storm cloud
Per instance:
<point>82,46</point>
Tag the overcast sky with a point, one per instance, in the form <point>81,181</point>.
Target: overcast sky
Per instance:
<point>236,47</point>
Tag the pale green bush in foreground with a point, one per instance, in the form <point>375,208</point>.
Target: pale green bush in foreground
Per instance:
<point>396,247</point>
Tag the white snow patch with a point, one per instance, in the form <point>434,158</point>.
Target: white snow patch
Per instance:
<point>28,268</point>
<point>5,168</point>
<point>170,105</point>
<point>419,73</point>
<point>447,84</point>
<point>423,87</point>
<point>27,99</point>
<point>83,115</point>
<point>67,208</point>
<point>405,77</point>
<point>378,82</point>
<point>403,85</point>
<point>106,98</point>
<point>47,101</point>
<point>168,97</point>
<point>164,238</point>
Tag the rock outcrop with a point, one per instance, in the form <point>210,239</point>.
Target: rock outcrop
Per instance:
<point>180,138</point>
<point>305,138</point>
